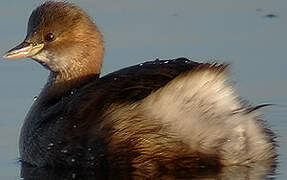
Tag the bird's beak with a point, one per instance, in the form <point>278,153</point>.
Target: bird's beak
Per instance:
<point>25,49</point>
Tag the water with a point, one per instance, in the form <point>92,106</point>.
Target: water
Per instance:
<point>135,31</point>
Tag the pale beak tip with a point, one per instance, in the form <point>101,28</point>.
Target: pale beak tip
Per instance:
<point>5,56</point>
<point>12,55</point>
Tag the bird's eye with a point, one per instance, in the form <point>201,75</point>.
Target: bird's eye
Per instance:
<point>49,37</point>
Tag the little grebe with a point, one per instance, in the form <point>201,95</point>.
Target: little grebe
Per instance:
<point>168,114</point>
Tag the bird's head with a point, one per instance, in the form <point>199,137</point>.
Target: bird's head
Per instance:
<point>61,37</point>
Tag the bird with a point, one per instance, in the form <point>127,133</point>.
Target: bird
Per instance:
<point>171,114</point>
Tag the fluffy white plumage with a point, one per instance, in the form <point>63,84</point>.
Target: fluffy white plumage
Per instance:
<point>202,109</point>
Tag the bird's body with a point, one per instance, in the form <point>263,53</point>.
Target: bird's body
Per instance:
<point>67,129</point>
<point>162,114</point>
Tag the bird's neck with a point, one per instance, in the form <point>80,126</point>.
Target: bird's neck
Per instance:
<point>63,82</point>
<point>74,66</point>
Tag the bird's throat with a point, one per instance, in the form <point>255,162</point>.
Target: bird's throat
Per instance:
<point>60,84</point>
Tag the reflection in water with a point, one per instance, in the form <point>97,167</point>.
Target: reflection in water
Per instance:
<point>255,171</point>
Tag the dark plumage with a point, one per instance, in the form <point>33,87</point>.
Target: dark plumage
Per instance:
<point>159,115</point>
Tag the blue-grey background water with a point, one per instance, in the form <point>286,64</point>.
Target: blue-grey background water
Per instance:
<point>244,33</point>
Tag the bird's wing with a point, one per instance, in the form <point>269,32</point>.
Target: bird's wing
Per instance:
<point>137,82</point>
